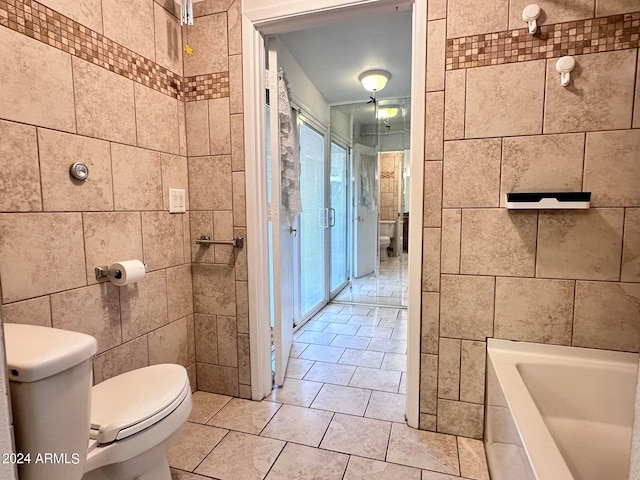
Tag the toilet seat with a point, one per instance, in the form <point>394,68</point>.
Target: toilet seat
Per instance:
<point>131,402</point>
<point>385,239</point>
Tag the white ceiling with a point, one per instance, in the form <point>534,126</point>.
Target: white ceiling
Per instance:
<point>363,113</point>
<point>333,56</point>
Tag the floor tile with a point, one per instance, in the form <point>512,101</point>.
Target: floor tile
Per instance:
<point>206,405</point>
<point>386,406</point>
<point>181,475</point>
<point>473,462</point>
<point>399,334</point>
<point>333,317</point>
<point>298,367</point>
<point>299,425</point>
<point>333,308</point>
<point>351,341</point>
<point>367,469</point>
<point>403,384</point>
<point>374,379</point>
<point>341,399</point>
<point>429,475</point>
<point>245,415</point>
<point>393,322</point>
<point>364,320</point>
<point>355,310</point>
<point>304,463</point>
<point>316,338</point>
<point>322,353</point>
<point>194,442</point>
<point>362,358</point>
<point>365,437</point>
<point>394,361</point>
<point>421,449</point>
<point>385,312</point>
<point>314,326</point>
<point>296,392</point>
<point>341,328</point>
<point>387,345</point>
<point>330,373</point>
<point>376,332</point>
<point>241,456</point>
<point>297,348</point>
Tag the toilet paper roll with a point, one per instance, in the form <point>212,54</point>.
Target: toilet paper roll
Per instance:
<point>127,272</point>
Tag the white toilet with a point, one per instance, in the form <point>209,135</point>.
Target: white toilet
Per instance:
<point>387,232</point>
<point>118,430</point>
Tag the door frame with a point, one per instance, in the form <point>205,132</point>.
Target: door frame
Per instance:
<point>276,18</point>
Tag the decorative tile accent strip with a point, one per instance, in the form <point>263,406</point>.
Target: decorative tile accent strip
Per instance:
<point>617,32</point>
<point>50,27</point>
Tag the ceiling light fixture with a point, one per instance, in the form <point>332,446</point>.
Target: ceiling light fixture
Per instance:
<point>374,80</point>
<point>389,111</point>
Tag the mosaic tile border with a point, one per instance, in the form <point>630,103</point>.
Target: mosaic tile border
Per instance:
<point>50,27</point>
<point>605,34</point>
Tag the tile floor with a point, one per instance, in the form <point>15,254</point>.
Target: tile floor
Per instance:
<point>339,415</point>
<point>388,288</point>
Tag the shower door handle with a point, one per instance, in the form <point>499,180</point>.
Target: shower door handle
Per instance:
<point>332,217</point>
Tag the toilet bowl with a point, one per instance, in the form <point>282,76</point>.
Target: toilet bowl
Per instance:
<point>384,244</point>
<point>387,232</point>
<point>118,430</point>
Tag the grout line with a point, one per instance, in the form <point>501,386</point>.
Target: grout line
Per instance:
<point>573,311</point>
<point>624,224</point>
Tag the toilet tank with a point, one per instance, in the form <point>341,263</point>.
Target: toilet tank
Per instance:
<point>387,228</point>
<point>50,379</point>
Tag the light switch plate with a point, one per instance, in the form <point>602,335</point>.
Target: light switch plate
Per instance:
<point>177,203</point>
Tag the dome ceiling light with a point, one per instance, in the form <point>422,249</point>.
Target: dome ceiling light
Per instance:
<point>374,80</point>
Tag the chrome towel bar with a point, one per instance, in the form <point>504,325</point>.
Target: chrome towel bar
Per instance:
<point>237,242</point>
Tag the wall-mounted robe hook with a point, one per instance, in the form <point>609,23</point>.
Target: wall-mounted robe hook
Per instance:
<point>564,66</point>
<point>530,14</point>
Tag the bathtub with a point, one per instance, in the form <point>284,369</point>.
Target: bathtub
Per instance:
<point>558,413</point>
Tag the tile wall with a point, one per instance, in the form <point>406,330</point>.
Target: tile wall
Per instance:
<point>560,277</point>
<point>391,163</point>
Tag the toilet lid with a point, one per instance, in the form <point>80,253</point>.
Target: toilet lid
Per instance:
<point>126,404</point>
<point>384,239</point>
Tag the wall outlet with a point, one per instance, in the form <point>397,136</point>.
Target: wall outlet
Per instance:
<point>177,202</point>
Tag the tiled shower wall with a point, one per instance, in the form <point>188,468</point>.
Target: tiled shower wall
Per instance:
<point>103,82</point>
<point>392,163</point>
<point>558,277</point>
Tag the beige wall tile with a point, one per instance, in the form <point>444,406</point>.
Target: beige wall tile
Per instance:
<point>430,322</point>
<point>169,344</point>
<point>214,289</point>
<point>599,97</point>
<point>219,126</point>
<point>636,103</point>
<point>130,24</point>
<point>454,99</point>
<point>186,236</point>
<point>201,224</point>
<point>244,359</point>
<point>495,108</point>
<point>227,341</point>
<point>121,359</point>
<point>143,305</point>
<point>168,39</point>
<point>534,310</point>
<point>36,311</point>
<point>470,18</point>
<point>191,339</point>
<point>85,12</point>
<point>179,292</point>
<point>472,371</point>
<point>542,163</point>
<point>182,128</point>
<point>466,307</point>
<point>157,120</point>
<point>162,239</point>
<point>432,194</point>
<point>234,19</point>
<point>175,174</point>
<point>471,173</point>
<point>208,37</point>
<point>431,260</point>
<point>631,246</point>
<point>93,310</point>
<point>61,192</point>
<point>615,7</point>
<point>222,225</point>
<point>44,82</point>
<point>237,142</point>
<point>191,373</point>
<point>498,242</point>
<point>449,369</point>
<point>30,240</point>
<point>235,84</point>
<point>460,418</point>
<point>607,315</point>
<point>207,7</point>
<point>552,11</point>
<point>428,383</point>
<point>612,169</point>
<point>137,178</point>
<point>197,128</point>
<point>20,174</point>
<point>105,105</point>
<point>436,46</point>
<point>580,244</point>
<point>436,9</point>
<point>217,379</point>
<point>239,200</point>
<point>210,184</point>
<point>242,300</point>
<point>111,237</point>
<point>428,422</point>
<point>451,238</point>
<point>206,338</point>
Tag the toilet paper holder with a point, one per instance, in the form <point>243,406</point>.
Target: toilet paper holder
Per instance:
<point>105,272</point>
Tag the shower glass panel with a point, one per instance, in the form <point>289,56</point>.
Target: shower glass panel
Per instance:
<point>338,190</point>
<point>312,219</point>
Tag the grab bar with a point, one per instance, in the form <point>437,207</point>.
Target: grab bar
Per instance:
<point>237,242</point>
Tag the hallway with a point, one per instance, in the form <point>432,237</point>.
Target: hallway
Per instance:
<point>340,414</point>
